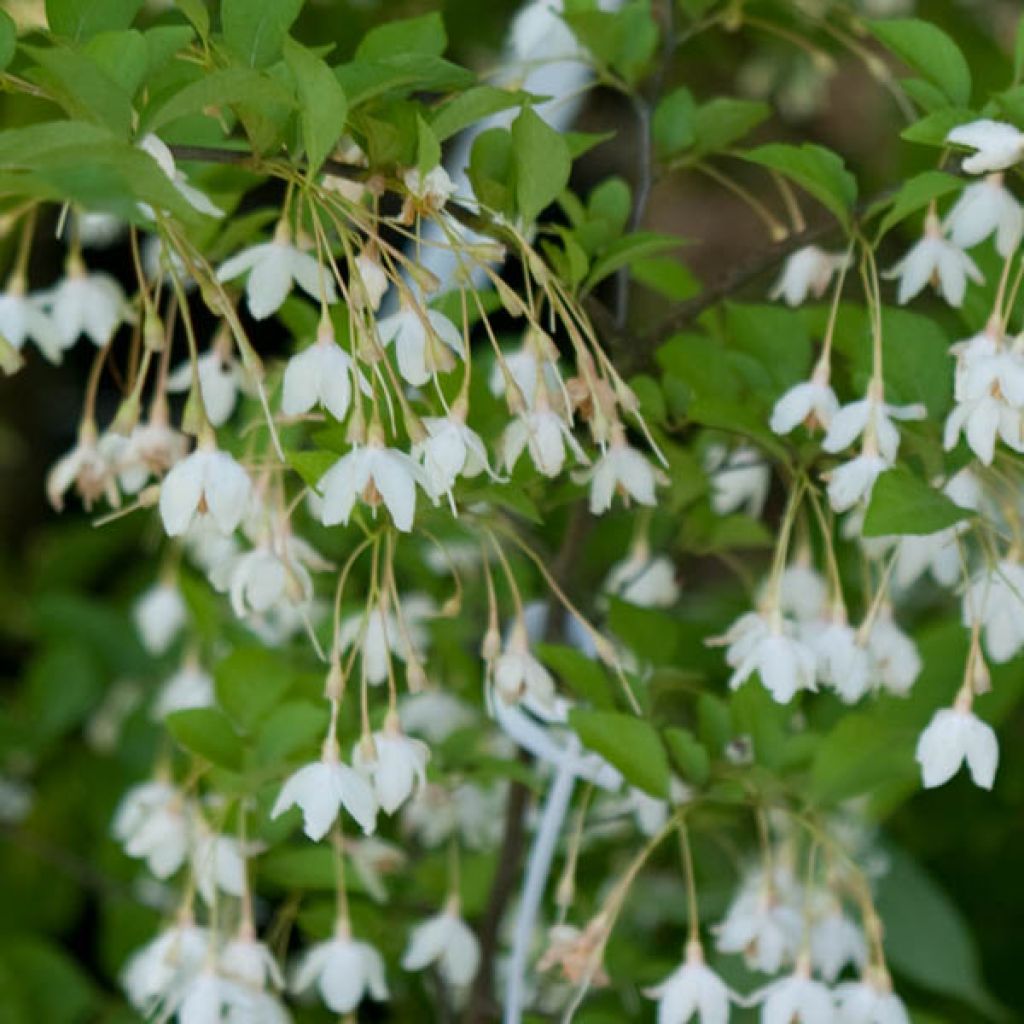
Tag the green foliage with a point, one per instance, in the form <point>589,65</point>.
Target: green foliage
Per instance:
<point>931,53</point>
<point>903,504</point>
<point>321,101</point>
<point>629,744</point>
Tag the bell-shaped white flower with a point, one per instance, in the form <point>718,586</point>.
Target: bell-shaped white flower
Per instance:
<point>248,961</point>
<point>870,1001</point>
<point>321,374</point>
<point>765,643</point>
<point>166,966</point>
<point>543,433</point>
<point>98,230</point>
<point>995,601</point>
<point>807,272</point>
<point>740,479</point>
<point>445,940</point>
<point>986,208</point>
<point>207,482</point>
<point>622,470</point>
<point>450,450</point>
<point>381,637</point>
<point>159,616</point>
<point>434,188</point>
<point>196,198</point>
<point>937,260</point>
<point>377,475</point>
<point>152,824</point>
<point>395,764</point>
<point>220,377</point>
<point>691,991</point>
<point>518,674</point>
<point>434,714</point>
<point>835,940</point>
<point>798,999</point>
<point>953,736</point>
<point>844,660</point>
<point>86,468</point>
<point>24,318</point>
<point>320,789</point>
<point>811,402</point>
<point>895,657</point>
<point>643,580</point>
<point>343,970</point>
<point>189,687</point>
<point>871,416</point>
<point>997,145</point>
<point>424,341</point>
<point>273,268</point>
<point>86,303</point>
<point>369,281</point>
<point>152,448</point>
<point>762,925</point>
<point>528,372</point>
<point>852,482</point>
<point>803,592</point>
<point>203,998</point>
<point>258,581</point>
<point>217,861</point>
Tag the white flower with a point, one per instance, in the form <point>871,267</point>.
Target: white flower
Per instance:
<point>23,318</point>
<point>811,402</point>
<point>469,811</point>
<point>853,481</point>
<point>807,272</point>
<point>998,145</point>
<point>450,450</point>
<point>623,470</point>
<point>395,764</point>
<point>531,369</point>
<point>649,582</point>
<point>954,735</point>
<point>424,341</point>
<point>152,449</point>
<point>836,941</point>
<point>151,823</point>
<point>871,417</point>
<point>98,230</point>
<point>518,674</point>
<point>984,208</point>
<point>320,374</point>
<point>159,616</point>
<point>377,475</point>
<point>87,469</point>
<point>219,380</point>
<point>189,687</point>
<point>250,962</point>
<point>344,971</point>
<point>446,940</point>
<point>218,863</point>
<point>739,479</point>
<point>381,637</point>
<point>320,789</point>
<point>259,580</point>
<point>896,661</point>
<point>869,1002</point>
<point>369,281</point>
<point>803,592</point>
<point>210,482</point>
<point>844,661</point>
<point>761,926</point>
<point>166,966</point>
<point>155,147</point>
<point>692,990</point>
<point>545,434</point>
<point>434,188</point>
<point>84,303</point>
<point>995,599</point>
<point>204,999</point>
<point>764,643</point>
<point>273,268</point>
<point>798,999</point>
<point>935,259</point>
<point>434,714</point>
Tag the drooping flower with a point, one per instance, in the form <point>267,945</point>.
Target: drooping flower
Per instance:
<point>381,637</point>
<point>811,402</point>
<point>433,189</point>
<point>343,970</point>
<point>189,687</point>
<point>798,999</point>
<point>87,469</point>
<point>320,789</point>
<point>445,940</point>
<point>369,282</point>
<point>897,663</point>
<point>273,268</point>
<point>995,600</point>
<point>320,374</point>
<point>870,417</point>
<point>451,449</point>
<point>152,449</point>
<point>248,961</point>
<point>740,479</point>
<point>545,434</point>
<point>517,673</point>
<point>623,470</point>
<point>424,341</point>
<point>394,763</point>
<point>377,475</point>
<point>692,990</point>
<point>852,482</point>
<point>844,660</point>
<point>761,925</point>
<point>218,863</point>
<point>152,824</point>
<point>24,318</point>
<point>157,973</point>
<point>807,272</point>
<point>86,303</point>
<point>220,377</point>
<point>937,260</point>
<point>954,735</point>
<point>434,714</point>
<point>870,1001</point>
<point>835,940</point>
<point>997,145</point>
<point>643,580</point>
<point>196,198</point>
<point>986,208</point>
<point>207,482</point>
<point>765,643</point>
<point>159,615</point>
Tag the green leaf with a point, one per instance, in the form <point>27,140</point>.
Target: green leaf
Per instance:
<point>541,161</point>
<point>428,149</point>
<point>776,338</point>
<point>624,251</point>
<point>673,126</point>
<point>196,11</point>
<point>8,39</point>
<point>37,975</point>
<point>932,129</point>
<point>581,674</point>
<point>26,147</point>
<point>122,55</point>
<point>915,194</point>
<point>423,35</point>
<point>220,88</point>
<point>307,867</point>
<point>322,103</point>
<point>255,30</point>
<point>470,107</point>
<point>311,466</point>
<point>689,755</point>
<point>629,744</point>
<point>250,683</point>
<point>207,733</point>
<point>623,40</point>
<point>814,168</point>
<point>491,169</point>
<point>294,726</point>
<point>1018,51</point>
<point>903,504</point>
<point>725,120</point>
<point>365,80</point>
<point>930,52</point>
<point>81,19</point>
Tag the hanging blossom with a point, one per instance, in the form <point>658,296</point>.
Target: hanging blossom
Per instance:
<point>797,998</point>
<point>985,208</point>
<point>530,371</point>
<point>24,318</point>
<point>220,378</point>
<point>157,974</point>
<point>517,674</point>
<point>447,941</point>
<point>87,469</point>
<point>870,1000</point>
<point>197,199</point>
<point>451,449</point>
<point>424,341</point>
<point>381,636</point>
<point>321,374</point>
<point>836,941</point>
<point>692,989</point>
<point>994,602</point>
<point>343,970</point>
<point>642,579</point>
<point>160,614</point>
<point>84,302</point>
<point>189,687</point>
<point>625,471</point>
<point>209,482</point>
<point>273,268</point>
<point>395,764</point>
<point>153,823</point>
<point>871,417</point>
<point>936,260</point>
<point>543,432</point>
<point>812,403</point>
<point>740,479</point>
<point>807,272</point>
<point>998,145</point>
<point>953,736</point>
